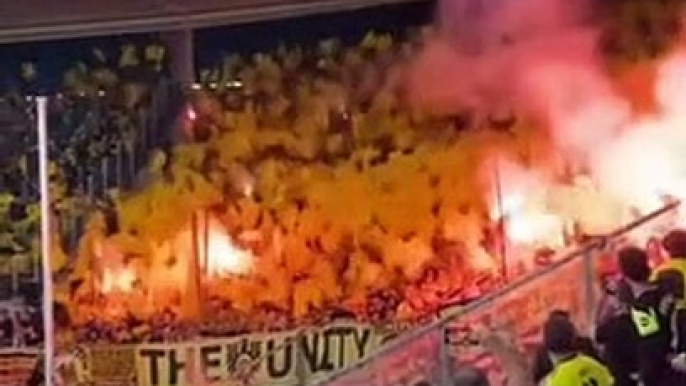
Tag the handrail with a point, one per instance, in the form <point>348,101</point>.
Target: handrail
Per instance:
<point>647,218</point>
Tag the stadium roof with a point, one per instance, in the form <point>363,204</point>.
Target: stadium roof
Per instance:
<point>36,20</point>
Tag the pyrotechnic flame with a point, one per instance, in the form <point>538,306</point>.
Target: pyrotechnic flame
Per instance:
<point>118,280</point>
<point>519,200</point>
<point>223,256</point>
<point>536,229</point>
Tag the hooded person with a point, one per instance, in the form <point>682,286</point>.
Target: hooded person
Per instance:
<point>615,325</point>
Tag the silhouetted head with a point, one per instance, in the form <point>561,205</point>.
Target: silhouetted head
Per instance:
<point>633,264</point>
<point>675,244</point>
<point>559,335</point>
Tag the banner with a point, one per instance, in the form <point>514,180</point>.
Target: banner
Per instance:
<point>287,358</point>
<point>414,362</point>
<point>17,365</point>
<point>112,365</point>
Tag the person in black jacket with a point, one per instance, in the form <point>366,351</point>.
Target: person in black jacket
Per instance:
<point>637,337</point>
<point>615,328</point>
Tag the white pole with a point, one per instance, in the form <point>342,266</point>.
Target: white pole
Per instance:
<point>44,166</point>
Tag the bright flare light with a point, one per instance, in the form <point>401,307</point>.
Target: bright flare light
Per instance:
<point>536,229</point>
<point>529,227</point>
<point>121,280</point>
<point>522,206</point>
<point>224,257</point>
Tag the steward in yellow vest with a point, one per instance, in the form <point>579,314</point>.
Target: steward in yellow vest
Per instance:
<point>650,309</point>
<point>579,370</point>
<point>571,368</point>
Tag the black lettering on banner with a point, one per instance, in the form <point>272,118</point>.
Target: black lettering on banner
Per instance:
<point>361,340</point>
<point>209,356</point>
<point>175,367</point>
<point>327,361</point>
<point>153,357</point>
<point>319,348</point>
<point>340,333</point>
<point>310,350</point>
<point>282,356</point>
<point>255,349</point>
<point>250,347</point>
<point>232,354</point>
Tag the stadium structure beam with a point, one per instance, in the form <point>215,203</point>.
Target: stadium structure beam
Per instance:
<point>176,17</point>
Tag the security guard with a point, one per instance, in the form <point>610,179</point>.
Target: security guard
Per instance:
<point>650,309</point>
<point>571,368</point>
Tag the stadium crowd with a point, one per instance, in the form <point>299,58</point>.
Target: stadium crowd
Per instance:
<point>329,110</point>
<point>329,107</point>
<point>253,121</point>
<point>101,140</point>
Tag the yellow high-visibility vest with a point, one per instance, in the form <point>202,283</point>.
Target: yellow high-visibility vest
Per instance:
<point>581,370</point>
<point>646,322</point>
<point>677,265</point>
